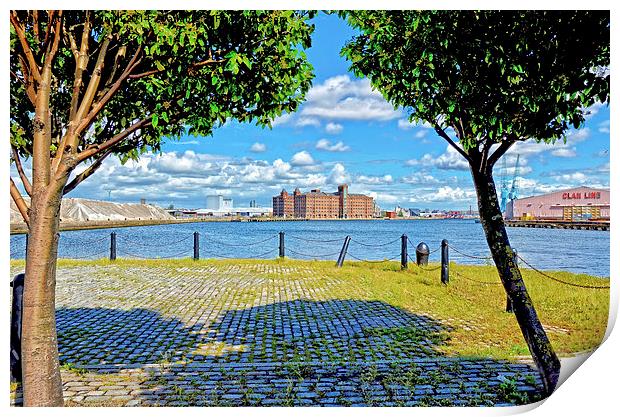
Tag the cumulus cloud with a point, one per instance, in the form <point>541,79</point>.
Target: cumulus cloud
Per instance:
<point>326,145</point>
<point>333,128</point>
<point>420,178</point>
<point>445,194</point>
<point>603,127</point>
<point>565,152</point>
<point>338,175</point>
<point>575,177</point>
<point>258,147</point>
<point>374,180</point>
<point>342,98</point>
<point>450,159</point>
<point>302,158</point>
<point>307,121</point>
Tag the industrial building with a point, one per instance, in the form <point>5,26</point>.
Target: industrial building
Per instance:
<point>575,204</point>
<point>321,205</point>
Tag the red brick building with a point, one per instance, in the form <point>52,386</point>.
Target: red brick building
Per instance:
<point>320,205</point>
<point>283,205</point>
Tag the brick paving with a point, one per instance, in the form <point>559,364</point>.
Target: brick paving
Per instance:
<point>259,335</point>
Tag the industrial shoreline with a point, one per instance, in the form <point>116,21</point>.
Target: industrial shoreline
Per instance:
<point>20,228</point>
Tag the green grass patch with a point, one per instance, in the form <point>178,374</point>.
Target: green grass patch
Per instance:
<point>472,313</point>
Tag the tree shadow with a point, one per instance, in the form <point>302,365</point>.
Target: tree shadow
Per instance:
<point>300,352</point>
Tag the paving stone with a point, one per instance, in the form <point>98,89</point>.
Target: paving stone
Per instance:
<point>225,335</point>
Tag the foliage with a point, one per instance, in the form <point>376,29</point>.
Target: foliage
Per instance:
<point>189,71</point>
<point>492,76</point>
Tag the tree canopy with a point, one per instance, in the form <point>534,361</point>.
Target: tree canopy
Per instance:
<point>123,80</point>
<point>493,77</point>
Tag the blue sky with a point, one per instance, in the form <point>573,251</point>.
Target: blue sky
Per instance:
<point>344,132</point>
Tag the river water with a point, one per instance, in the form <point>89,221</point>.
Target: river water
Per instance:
<point>581,251</point>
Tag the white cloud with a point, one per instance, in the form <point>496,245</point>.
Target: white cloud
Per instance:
<point>258,147</point>
<point>302,158</point>
<point>374,180</point>
<point>342,98</point>
<point>338,175</point>
<point>445,194</point>
<point>326,145</point>
<point>575,177</point>
<point>603,127</point>
<point>420,178</point>
<point>565,152</point>
<point>405,124</point>
<point>307,121</point>
<point>333,128</point>
<point>450,159</point>
<point>420,134</point>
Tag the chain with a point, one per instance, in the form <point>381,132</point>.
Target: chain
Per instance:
<point>91,256</point>
<point>373,261</point>
<point>470,256</point>
<point>133,242</point>
<point>316,240</point>
<point>313,256</point>
<point>375,245</point>
<point>476,281</point>
<point>595,287</point>
<point>241,244</point>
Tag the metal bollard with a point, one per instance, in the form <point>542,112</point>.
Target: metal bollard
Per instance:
<point>26,250</point>
<point>421,254</point>
<point>113,246</point>
<point>445,263</point>
<point>515,260</point>
<point>196,246</point>
<point>403,252</point>
<point>343,251</point>
<point>281,247</point>
<point>16,327</point>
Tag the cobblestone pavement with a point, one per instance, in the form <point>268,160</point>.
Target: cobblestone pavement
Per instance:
<point>258,335</point>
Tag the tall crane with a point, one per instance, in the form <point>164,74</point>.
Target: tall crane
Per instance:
<point>504,186</point>
<point>514,191</point>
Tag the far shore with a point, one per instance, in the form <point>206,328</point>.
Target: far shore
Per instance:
<point>20,228</point>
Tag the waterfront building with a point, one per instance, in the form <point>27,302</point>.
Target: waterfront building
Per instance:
<point>581,203</point>
<point>283,205</point>
<point>321,205</point>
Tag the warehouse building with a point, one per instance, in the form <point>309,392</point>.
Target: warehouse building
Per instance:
<point>321,205</point>
<point>575,204</point>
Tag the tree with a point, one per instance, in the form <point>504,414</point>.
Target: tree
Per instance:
<point>89,84</point>
<point>493,79</point>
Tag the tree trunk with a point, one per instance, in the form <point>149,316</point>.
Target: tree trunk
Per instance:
<point>40,366</point>
<point>493,224</point>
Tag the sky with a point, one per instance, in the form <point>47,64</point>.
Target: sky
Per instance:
<point>344,133</point>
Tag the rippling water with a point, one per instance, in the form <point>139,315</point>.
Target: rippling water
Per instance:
<point>582,251</point>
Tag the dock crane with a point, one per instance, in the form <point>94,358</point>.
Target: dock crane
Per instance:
<point>514,191</point>
<point>504,186</point>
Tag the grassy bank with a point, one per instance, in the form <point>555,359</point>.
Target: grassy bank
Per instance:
<point>472,306</point>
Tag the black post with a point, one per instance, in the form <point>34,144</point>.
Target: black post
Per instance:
<point>515,259</point>
<point>445,263</point>
<point>281,245</point>
<point>25,255</point>
<point>113,246</point>
<point>196,246</point>
<point>343,251</point>
<point>16,328</point>
<point>403,252</point>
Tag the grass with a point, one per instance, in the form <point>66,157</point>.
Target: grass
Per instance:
<point>575,318</point>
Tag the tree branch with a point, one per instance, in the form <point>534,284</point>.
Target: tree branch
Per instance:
<point>95,149</point>
<point>93,85</point>
<point>499,152</point>
<point>443,134</point>
<point>19,31</point>
<point>87,172</point>
<point>20,171</point>
<point>20,203</point>
<point>81,62</point>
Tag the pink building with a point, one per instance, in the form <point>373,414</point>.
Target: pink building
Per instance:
<point>582,203</point>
